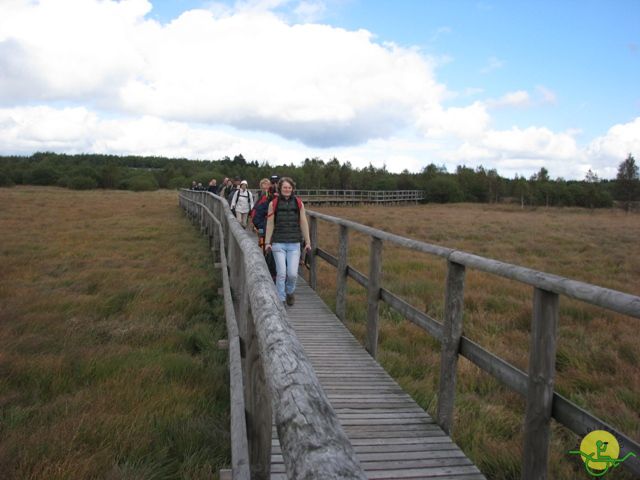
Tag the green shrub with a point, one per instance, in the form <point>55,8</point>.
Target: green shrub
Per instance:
<point>141,182</point>
<point>179,182</point>
<point>82,182</point>
<point>6,180</point>
<point>42,175</point>
<point>443,189</point>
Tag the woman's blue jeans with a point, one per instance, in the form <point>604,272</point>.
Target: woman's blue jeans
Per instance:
<point>287,257</point>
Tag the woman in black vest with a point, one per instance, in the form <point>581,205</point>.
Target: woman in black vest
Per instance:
<point>287,226</point>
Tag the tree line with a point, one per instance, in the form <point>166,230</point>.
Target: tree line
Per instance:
<point>90,171</point>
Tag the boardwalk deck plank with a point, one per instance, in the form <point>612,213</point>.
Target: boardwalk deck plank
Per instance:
<point>391,435</point>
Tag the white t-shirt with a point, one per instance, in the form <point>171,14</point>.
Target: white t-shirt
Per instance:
<point>242,201</point>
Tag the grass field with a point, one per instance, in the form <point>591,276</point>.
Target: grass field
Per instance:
<point>598,358</point>
<point>109,321</point>
<point>108,330</point>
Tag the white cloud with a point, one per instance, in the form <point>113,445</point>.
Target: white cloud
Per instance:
<point>440,32</point>
<point>545,95</point>
<point>77,130</point>
<point>493,63</point>
<point>75,49</point>
<point>309,82</point>
<point>523,151</point>
<point>608,151</point>
<point>533,142</point>
<point>310,11</point>
<point>462,122</point>
<point>221,81</point>
<point>520,98</point>
<point>523,99</point>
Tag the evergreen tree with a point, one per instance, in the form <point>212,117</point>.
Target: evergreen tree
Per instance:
<point>627,183</point>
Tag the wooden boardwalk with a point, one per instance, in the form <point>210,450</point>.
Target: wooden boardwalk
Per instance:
<point>392,436</point>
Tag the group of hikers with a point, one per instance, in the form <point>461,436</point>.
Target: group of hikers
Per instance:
<point>277,216</point>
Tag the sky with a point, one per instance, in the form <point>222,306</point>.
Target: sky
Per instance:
<point>508,85</point>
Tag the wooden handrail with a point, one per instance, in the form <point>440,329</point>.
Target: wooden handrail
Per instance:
<point>543,403</point>
<point>360,196</point>
<point>603,297</point>
<point>314,445</point>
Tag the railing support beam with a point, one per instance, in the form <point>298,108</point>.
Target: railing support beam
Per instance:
<point>341,278</point>
<point>373,295</point>
<point>542,363</point>
<point>313,264</point>
<point>451,334</point>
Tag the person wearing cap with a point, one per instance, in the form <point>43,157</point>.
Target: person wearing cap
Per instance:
<point>242,203</point>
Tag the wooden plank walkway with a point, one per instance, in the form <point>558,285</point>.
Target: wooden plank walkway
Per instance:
<point>392,436</point>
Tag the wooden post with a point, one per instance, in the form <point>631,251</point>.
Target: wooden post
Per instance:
<point>542,363</point>
<point>216,240</point>
<point>341,280</point>
<point>451,333</point>
<point>373,295</point>
<point>225,230</point>
<point>258,403</point>
<point>234,263</point>
<point>210,229</point>
<point>313,265</point>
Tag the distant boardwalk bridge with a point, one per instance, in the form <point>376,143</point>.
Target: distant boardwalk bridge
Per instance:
<point>308,402</point>
<point>355,197</point>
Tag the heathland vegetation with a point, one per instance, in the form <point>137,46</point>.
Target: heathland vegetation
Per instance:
<point>479,185</point>
<point>598,357</point>
<point>109,319</point>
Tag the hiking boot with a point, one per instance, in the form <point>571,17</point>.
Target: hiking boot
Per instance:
<point>290,299</point>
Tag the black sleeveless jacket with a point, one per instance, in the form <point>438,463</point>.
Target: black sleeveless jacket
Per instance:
<point>286,225</point>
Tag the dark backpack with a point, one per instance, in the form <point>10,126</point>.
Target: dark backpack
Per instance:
<point>229,193</point>
<point>259,211</point>
<point>274,202</point>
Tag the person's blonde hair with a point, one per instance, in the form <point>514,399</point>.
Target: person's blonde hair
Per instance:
<point>289,180</point>
<point>263,181</point>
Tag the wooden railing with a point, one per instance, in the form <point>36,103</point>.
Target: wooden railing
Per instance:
<point>537,386</point>
<point>271,379</point>
<point>316,197</point>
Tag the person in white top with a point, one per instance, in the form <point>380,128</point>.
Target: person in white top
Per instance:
<point>242,203</point>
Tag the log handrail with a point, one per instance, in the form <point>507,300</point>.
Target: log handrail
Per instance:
<point>543,403</point>
<point>314,445</point>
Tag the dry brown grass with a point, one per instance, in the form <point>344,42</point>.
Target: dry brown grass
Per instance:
<point>598,359</point>
<point>108,325</point>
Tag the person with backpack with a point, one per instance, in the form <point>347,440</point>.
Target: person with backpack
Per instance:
<point>233,187</point>
<point>287,226</point>
<point>258,213</point>
<point>242,203</point>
